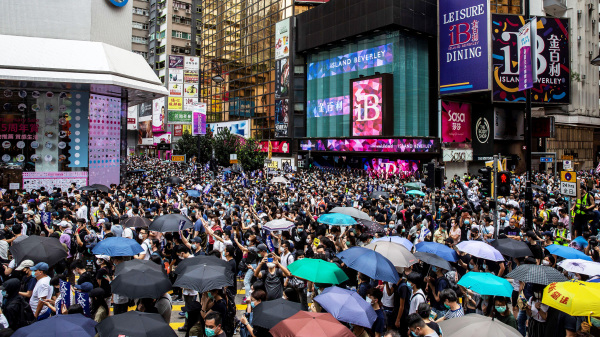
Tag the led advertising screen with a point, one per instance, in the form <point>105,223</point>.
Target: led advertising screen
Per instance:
<point>371,145</point>
<point>391,166</point>
<point>456,122</point>
<point>363,59</point>
<point>369,103</point>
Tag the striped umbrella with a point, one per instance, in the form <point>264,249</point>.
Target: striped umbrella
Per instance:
<point>532,273</point>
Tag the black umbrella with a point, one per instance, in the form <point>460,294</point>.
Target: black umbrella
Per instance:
<point>170,223</point>
<point>371,227</point>
<point>268,314</point>
<point>209,260</point>
<point>136,171</point>
<point>135,324</point>
<point>433,260</point>
<point>204,278</point>
<point>95,187</point>
<point>174,180</point>
<point>136,221</point>
<point>512,248</point>
<point>88,188</point>
<point>533,273</point>
<point>377,194</point>
<point>38,249</point>
<point>140,279</point>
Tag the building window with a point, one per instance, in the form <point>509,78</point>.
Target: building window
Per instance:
<point>506,6</point>
<point>139,39</point>
<point>160,65</point>
<point>181,35</point>
<point>161,35</point>
<point>139,25</point>
<point>160,50</point>
<point>140,11</point>
<point>143,53</point>
<point>180,5</point>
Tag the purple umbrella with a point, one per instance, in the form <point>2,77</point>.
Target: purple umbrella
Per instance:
<point>347,306</point>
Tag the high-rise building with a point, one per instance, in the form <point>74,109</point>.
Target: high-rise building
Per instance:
<point>139,27</point>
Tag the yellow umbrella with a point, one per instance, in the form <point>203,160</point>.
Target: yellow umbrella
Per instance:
<point>576,298</point>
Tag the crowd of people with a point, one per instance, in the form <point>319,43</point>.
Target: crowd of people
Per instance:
<point>231,210</point>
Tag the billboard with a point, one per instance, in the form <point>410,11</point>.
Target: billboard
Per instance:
<point>276,146</point>
<point>371,145</point>
<point>456,122</point>
<point>370,101</point>
<point>199,119</point>
<point>163,138</point>
<point>191,62</point>
<point>363,59</point>
<point>175,62</point>
<point>159,116</point>
<point>391,166</point>
<point>281,117</point>
<point>463,30</point>
<point>282,39</point>
<point>176,75</point>
<point>175,89</point>
<point>175,103</point>
<point>145,111</point>
<point>145,135</point>
<point>483,132</point>
<point>552,60</point>
<point>177,130</point>
<point>132,117</point>
<point>240,128</point>
<point>334,106</point>
<point>179,117</point>
<point>282,78</point>
<point>190,76</point>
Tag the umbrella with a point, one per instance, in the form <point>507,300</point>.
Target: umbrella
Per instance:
<point>208,260</point>
<point>512,248</point>
<point>310,324</point>
<point>278,225</point>
<point>567,252</point>
<point>580,266</point>
<point>474,325</point>
<point>140,279</point>
<point>170,223</point>
<point>135,324</point>
<point>575,298</point>
<point>75,325</point>
<point>174,180</point>
<point>117,246</point>
<point>433,260</point>
<point>416,192</point>
<point>347,306</point>
<point>532,273</point>
<point>371,227</point>
<point>351,211</point>
<point>370,263</point>
<point>268,314</point>
<point>193,193</point>
<point>395,239</point>
<point>281,180</point>
<point>481,250</point>
<point>136,221</point>
<point>38,249</point>
<point>318,271</point>
<point>486,284</point>
<point>415,184</point>
<point>377,194</point>
<point>204,278</point>
<point>95,187</point>
<point>396,253</point>
<point>438,249</point>
<point>337,219</point>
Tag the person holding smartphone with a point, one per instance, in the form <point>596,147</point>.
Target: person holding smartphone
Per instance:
<point>273,276</point>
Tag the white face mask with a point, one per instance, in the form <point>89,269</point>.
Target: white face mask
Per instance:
<point>270,265</point>
<point>369,300</point>
<point>546,262</point>
<point>141,236</point>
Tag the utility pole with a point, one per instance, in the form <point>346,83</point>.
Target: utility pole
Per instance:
<point>495,210</point>
<point>527,138</point>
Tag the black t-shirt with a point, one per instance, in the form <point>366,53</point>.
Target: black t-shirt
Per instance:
<point>299,239</point>
<point>537,251</point>
<point>233,266</point>
<point>86,277</point>
<point>220,306</point>
<point>511,231</point>
<point>273,284</point>
<point>102,276</point>
<point>402,292</point>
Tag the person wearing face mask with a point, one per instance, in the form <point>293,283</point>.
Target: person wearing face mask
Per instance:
<point>538,313</point>
<point>373,297</point>
<point>188,294</point>
<point>418,328</point>
<point>212,326</point>
<point>15,308</point>
<point>450,300</point>
<point>246,329</point>
<point>146,245</point>
<point>272,273</point>
<point>512,231</point>
<point>440,235</point>
<point>536,249</point>
<point>417,297</point>
<point>502,313</point>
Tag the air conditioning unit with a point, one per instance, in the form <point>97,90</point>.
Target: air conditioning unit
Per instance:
<point>188,44</point>
<point>189,11</point>
<point>590,6</point>
<point>583,77</point>
<point>175,9</point>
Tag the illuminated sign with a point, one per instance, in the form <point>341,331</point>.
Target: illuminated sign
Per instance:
<point>370,103</point>
<point>371,145</point>
<point>119,3</point>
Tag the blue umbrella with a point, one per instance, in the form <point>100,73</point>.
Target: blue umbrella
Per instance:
<point>337,219</point>
<point>347,306</point>
<point>116,246</point>
<point>370,263</point>
<point>75,325</point>
<point>438,249</point>
<point>567,252</point>
<point>193,193</point>
<point>396,239</point>
<point>486,284</point>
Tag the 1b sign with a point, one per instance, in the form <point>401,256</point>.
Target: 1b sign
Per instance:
<point>568,189</point>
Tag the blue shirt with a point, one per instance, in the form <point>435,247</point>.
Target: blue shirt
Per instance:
<point>198,226</point>
<point>379,324</point>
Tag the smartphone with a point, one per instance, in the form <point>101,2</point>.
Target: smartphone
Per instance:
<point>269,259</point>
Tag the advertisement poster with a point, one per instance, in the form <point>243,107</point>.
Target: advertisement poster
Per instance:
<point>186,128</point>
<point>281,117</point>
<point>483,133</point>
<point>175,89</point>
<point>464,52</point>
<point>282,39</point>
<point>175,76</point>
<point>191,62</point>
<point>456,122</point>
<point>163,138</point>
<point>367,109</point>
<point>159,116</point>
<point>190,90</point>
<point>334,106</point>
<point>179,117</point>
<point>145,134</point>
<point>175,62</point>
<point>177,130</point>
<point>371,145</point>
<point>392,166</point>
<point>132,117</point>
<point>363,59</point>
<point>276,146</point>
<point>199,119</point>
<point>240,128</point>
<point>190,76</point>
<point>188,103</point>
<point>525,48</point>
<point>145,111</point>
<point>50,180</point>
<point>175,103</point>
<point>282,78</point>
<point>104,140</point>
<point>552,60</point>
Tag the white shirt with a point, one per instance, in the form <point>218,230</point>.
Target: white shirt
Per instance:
<point>147,246</point>
<point>127,233</point>
<point>42,289</point>
<point>534,311</point>
<point>82,213</point>
<point>287,259</point>
<point>417,298</point>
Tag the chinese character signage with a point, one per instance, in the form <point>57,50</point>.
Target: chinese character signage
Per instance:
<point>199,119</point>
<point>326,107</point>
<point>370,103</point>
<point>175,103</point>
<point>526,49</point>
<point>132,116</point>
<point>463,45</point>
<point>192,63</point>
<point>282,39</point>
<point>180,117</point>
<point>552,60</point>
<point>281,117</point>
<point>456,122</point>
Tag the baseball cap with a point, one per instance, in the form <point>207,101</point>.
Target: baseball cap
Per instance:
<point>63,224</point>
<point>103,257</point>
<point>25,264</point>
<point>40,266</point>
<point>86,287</point>
<point>262,247</point>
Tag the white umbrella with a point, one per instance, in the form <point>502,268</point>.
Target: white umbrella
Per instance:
<point>580,266</point>
<point>279,180</point>
<point>480,249</point>
<point>351,211</point>
<point>397,253</point>
<point>278,225</point>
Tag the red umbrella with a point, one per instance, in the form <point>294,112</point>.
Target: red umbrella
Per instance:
<point>310,324</point>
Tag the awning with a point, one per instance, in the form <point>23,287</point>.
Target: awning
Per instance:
<point>78,62</point>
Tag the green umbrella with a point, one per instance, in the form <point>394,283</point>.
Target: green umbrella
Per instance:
<point>414,192</point>
<point>318,271</point>
<point>414,186</point>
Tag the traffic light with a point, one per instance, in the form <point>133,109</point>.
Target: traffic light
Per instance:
<point>486,181</point>
<point>504,178</point>
<point>429,170</point>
